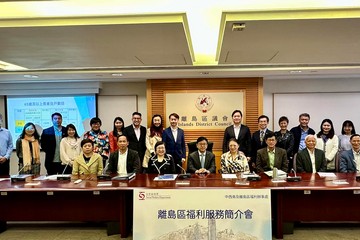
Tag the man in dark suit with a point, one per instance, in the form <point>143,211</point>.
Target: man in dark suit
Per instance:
<point>310,159</point>
<point>258,137</point>
<point>201,161</point>
<point>271,156</point>
<point>300,132</point>
<point>238,131</point>
<point>350,159</point>
<point>50,144</point>
<point>136,135</point>
<point>174,140</point>
<point>124,160</point>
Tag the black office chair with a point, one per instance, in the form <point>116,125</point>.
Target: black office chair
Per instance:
<point>192,147</point>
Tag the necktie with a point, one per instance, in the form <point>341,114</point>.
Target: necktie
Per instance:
<point>261,136</point>
<point>202,160</point>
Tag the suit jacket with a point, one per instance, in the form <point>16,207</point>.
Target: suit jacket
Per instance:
<point>257,144</point>
<point>176,149</point>
<point>134,143</point>
<point>244,139</point>
<point>263,162</point>
<point>167,166</point>
<point>194,163</point>
<point>48,144</point>
<point>132,162</point>
<point>347,162</point>
<point>94,166</point>
<point>296,131</point>
<point>303,161</point>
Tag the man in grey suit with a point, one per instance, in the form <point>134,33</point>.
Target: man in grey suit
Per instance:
<point>201,161</point>
<point>310,159</point>
<point>269,157</point>
<point>350,159</point>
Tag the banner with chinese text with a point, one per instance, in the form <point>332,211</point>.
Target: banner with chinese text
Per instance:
<point>202,214</point>
<point>199,110</point>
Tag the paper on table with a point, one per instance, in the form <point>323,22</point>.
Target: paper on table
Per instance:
<point>229,176</point>
<point>166,177</point>
<point>326,174</point>
<point>3,179</point>
<point>270,173</point>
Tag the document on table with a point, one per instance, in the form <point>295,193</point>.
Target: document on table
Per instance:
<point>3,179</point>
<point>270,173</point>
<point>326,174</point>
<point>166,177</point>
<point>229,176</point>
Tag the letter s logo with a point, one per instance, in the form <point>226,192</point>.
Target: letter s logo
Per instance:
<point>141,196</point>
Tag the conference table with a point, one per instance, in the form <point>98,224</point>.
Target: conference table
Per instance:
<point>314,198</point>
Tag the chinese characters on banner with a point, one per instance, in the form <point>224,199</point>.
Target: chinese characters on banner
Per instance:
<point>202,214</point>
<point>204,110</point>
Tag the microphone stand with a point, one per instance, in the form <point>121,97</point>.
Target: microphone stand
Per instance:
<point>103,175</point>
<point>64,177</point>
<point>183,175</point>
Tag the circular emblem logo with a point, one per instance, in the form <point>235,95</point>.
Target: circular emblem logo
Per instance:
<point>141,196</point>
<point>204,103</point>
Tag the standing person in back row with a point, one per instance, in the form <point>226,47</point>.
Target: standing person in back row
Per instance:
<point>174,140</point>
<point>300,132</point>
<point>136,135</point>
<point>239,132</point>
<point>258,139</point>
<point>6,148</point>
<point>50,143</point>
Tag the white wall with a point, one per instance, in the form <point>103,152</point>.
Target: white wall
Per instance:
<point>316,85</point>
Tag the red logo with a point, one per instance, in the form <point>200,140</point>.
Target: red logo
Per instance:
<point>141,195</point>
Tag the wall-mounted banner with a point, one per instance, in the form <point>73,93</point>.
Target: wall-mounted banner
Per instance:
<point>211,214</point>
<point>209,110</point>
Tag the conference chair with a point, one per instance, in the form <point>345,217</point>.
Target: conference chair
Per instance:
<point>192,147</point>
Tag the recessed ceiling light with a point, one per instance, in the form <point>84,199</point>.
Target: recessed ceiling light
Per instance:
<point>204,73</point>
<point>30,76</point>
<point>116,74</point>
<point>295,71</point>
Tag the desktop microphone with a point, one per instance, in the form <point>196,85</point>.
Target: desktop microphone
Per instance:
<point>254,177</point>
<point>184,175</point>
<point>293,178</point>
<point>64,177</point>
<point>20,177</point>
<point>357,177</point>
<point>103,175</point>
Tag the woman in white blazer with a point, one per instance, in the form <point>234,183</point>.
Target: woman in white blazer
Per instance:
<point>327,141</point>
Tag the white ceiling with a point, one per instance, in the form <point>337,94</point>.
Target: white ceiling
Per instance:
<point>69,49</point>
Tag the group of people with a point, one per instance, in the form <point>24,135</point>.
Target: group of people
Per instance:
<point>298,149</point>
<point>157,150</point>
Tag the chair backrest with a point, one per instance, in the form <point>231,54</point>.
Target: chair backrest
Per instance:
<point>192,147</point>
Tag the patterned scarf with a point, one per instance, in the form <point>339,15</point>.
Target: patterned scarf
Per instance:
<point>27,158</point>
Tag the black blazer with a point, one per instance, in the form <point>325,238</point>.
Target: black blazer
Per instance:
<point>303,161</point>
<point>194,163</point>
<point>256,144</point>
<point>244,139</point>
<point>296,131</point>
<point>167,166</point>
<point>134,143</point>
<point>48,144</point>
<point>132,162</point>
<point>263,161</point>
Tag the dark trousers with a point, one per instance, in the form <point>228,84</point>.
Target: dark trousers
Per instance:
<point>4,168</point>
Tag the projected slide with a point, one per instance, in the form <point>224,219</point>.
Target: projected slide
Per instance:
<point>77,110</point>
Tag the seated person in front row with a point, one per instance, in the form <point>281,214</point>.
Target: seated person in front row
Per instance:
<point>161,162</point>
<point>201,161</point>
<point>310,159</point>
<point>350,159</point>
<point>124,160</point>
<point>87,162</point>
<point>234,161</point>
<point>271,156</point>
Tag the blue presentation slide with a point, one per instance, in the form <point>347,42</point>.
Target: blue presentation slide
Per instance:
<point>77,110</point>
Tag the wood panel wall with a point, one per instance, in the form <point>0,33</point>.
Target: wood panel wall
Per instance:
<point>253,88</point>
